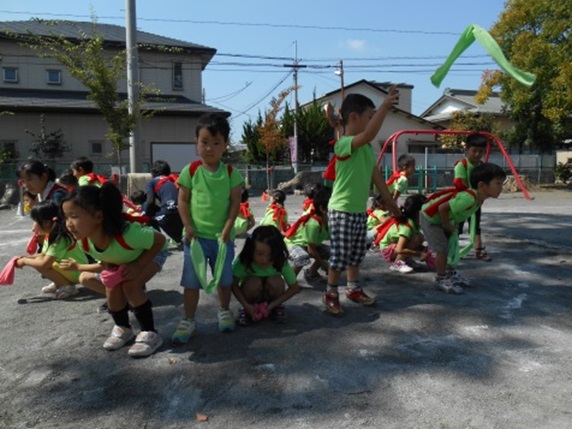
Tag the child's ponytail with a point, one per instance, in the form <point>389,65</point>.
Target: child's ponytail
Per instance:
<point>111,204</point>
<point>49,211</point>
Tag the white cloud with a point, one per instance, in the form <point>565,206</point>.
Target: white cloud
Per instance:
<point>355,44</point>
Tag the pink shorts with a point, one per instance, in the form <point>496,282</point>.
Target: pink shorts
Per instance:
<point>388,252</point>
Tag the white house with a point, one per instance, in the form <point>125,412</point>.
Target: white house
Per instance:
<point>400,117</point>
<point>453,100</point>
<point>31,86</point>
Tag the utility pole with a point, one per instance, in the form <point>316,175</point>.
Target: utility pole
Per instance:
<point>295,66</point>
<point>132,81</point>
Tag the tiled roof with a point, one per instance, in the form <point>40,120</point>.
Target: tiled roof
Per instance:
<point>111,33</point>
<point>74,101</point>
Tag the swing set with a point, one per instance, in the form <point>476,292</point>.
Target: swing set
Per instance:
<point>491,138</point>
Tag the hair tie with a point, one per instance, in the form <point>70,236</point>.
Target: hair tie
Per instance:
<point>55,219</point>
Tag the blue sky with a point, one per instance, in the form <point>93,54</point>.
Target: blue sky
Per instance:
<point>398,41</point>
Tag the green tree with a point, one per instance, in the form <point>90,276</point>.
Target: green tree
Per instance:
<point>251,138</point>
<point>314,132</point>
<point>48,145</point>
<point>468,121</point>
<point>87,60</point>
<point>270,131</point>
<point>537,37</point>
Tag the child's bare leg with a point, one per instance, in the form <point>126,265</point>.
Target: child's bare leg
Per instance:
<point>441,263</point>
<point>334,277</point>
<point>191,302</point>
<point>224,295</point>
<point>252,289</point>
<point>90,281</point>
<point>55,277</point>
<point>133,288</point>
<point>352,274</point>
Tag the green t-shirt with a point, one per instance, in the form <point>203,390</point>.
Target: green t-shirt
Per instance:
<point>138,237</point>
<point>241,272</point>
<point>210,198</point>
<point>353,177</point>
<point>400,184</point>
<point>64,249</point>
<point>310,233</point>
<point>462,172</point>
<point>373,219</point>
<point>268,218</point>
<point>398,230</point>
<point>462,207</point>
<point>84,180</point>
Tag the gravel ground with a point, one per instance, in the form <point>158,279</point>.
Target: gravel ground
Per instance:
<point>498,356</point>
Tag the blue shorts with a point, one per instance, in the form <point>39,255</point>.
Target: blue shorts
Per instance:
<point>189,277</point>
<point>160,258</point>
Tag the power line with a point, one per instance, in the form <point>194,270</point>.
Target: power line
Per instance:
<point>242,24</point>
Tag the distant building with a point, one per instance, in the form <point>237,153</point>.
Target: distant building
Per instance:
<point>453,100</point>
<point>400,117</point>
<point>31,86</point>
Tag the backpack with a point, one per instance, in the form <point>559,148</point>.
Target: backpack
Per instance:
<point>385,226</point>
<point>303,220</point>
<point>193,166</point>
<point>170,178</point>
<point>450,193</point>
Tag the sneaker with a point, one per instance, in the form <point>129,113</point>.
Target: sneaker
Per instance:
<point>185,330</point>
<point>431,261</point>
<point>312,277</point>
<point>243,318</point>
<point>414,264</point>
<point>332,302</point>
<point>119,337</point>
<point>66,291</point>
<point>458,278</point>
<point>400,267</point>
<point>447,285</point>
<point>51,288</point>
<point>146,343</point>
<point>359,296</point>
<point>278,314</point>
<point>225,320</point>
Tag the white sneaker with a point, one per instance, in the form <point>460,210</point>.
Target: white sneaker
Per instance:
<point>118,338</point>
<point>66,291</point>
<point>226,321</point>
<point>400,267</point>
<point>146,343</point>
<point>458,278</point>
<point>51,288</point>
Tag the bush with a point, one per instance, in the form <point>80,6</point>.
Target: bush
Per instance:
<point>563,172</point>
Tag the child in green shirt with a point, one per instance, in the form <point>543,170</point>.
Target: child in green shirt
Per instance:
<point>399,181</point>
<point>442,213</point>
<point>347,218</point>
<point>209,200</point>
<point>263,278</point>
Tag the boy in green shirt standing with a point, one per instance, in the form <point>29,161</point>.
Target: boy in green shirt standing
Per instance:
<point>442,213</point>
<point>209,200</point>
<point>347,217</point>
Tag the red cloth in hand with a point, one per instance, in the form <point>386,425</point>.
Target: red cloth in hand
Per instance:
<point>7,274</point>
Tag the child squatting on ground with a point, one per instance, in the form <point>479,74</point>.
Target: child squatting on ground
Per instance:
<point>305,238</point>
<point>347,218</point>
<point>400,239</point>
<point>263,278</point>
<point>399,181</point>
<point>128,255</point>
<point>58,244</point>
<point>209,200</point>
<point>442,213</point>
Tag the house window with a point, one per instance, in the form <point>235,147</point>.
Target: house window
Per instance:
<point>54,77</point>
<point>10,74</point>
<point>96,148</point>
<point>177,75</point>
<point>9,148</point>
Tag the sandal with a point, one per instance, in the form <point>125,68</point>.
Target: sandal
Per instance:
<point>481,254</point>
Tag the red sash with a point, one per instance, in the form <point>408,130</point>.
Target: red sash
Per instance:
<point>170,178</point>
<point>384,227</point>
<point>303,220</point>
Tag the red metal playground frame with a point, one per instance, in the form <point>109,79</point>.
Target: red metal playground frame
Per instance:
<point>490,138</point>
